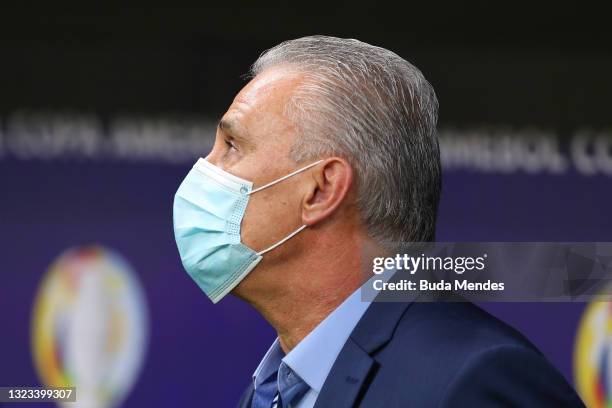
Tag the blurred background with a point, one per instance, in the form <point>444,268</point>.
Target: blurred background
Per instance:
<point>103,110</point>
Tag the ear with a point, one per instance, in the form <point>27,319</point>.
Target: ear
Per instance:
<point>332,181</point>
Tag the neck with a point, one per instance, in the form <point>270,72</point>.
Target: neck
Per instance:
<point>313,285</point>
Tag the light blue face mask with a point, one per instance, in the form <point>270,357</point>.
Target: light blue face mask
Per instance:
<point>208,209</point>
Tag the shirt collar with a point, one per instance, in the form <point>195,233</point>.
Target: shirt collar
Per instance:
<point>325,342</point>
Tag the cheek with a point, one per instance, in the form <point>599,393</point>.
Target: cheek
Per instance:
<point>267,220</point>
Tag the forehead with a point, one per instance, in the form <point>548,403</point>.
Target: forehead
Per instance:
<point>262,101</point>
<point>257,118</point>
<point>275,83</point>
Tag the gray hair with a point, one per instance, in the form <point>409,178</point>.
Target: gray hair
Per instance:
<point>377,111</point>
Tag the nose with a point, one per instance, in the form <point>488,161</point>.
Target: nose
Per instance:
<point>213,156</point>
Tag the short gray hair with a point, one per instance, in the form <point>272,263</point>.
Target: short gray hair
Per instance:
<point>376,110</point>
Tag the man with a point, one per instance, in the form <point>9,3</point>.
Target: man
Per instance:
<point>331,148</point>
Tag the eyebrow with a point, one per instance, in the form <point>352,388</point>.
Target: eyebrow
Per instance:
<point>230,127</point>
<point>225,125</point>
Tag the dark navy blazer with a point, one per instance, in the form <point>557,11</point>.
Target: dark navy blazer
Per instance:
<point>439,354</point>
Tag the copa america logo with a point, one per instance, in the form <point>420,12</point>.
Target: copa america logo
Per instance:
<point>593,355</point>
<point>90,327</point>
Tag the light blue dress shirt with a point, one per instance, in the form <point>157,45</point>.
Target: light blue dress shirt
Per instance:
<point>312,359</point>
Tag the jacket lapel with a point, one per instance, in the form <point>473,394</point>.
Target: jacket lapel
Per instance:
<point>346,377</point>
<point>350,370</point>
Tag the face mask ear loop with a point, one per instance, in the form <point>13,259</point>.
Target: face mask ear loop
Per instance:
<point>285,177</point>
<point>282,241</point>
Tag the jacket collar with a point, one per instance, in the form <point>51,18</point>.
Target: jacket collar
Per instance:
<point>378,324</point>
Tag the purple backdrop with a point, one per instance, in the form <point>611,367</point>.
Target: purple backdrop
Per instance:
<point>203,355</point>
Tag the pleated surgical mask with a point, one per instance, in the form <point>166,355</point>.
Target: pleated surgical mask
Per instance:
<point>209,206</point>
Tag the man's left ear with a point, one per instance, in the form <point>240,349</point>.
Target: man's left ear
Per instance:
<point>332,180</point>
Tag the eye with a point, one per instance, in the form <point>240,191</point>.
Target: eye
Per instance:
<point>230,144</point>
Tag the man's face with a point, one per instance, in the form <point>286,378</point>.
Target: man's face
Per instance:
<point>253,141</point>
